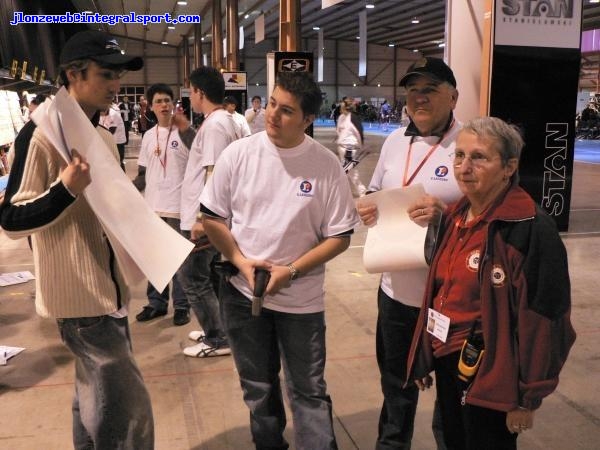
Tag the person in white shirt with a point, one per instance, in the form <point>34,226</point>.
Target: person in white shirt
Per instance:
<point>162,161</point>
<point>278,200</point>
<point>230,104</point>
<point>119,131</point>
<point>217,131</point>
<point>349,142</point>
<point>421,153</point>
<point>255,116</point>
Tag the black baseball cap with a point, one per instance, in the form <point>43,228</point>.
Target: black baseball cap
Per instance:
<point>100,47</point>
<point>230,100</point>
<point>433,68</point>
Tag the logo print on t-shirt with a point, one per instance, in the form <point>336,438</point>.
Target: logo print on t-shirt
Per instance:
<point>441,171</point>
<point>174,144</point>
<point>306,186</point>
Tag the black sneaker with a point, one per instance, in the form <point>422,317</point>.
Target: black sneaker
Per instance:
<point>181,317</point>
<point>149,313</point>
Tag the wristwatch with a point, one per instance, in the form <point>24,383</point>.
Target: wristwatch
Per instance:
<point>294,273</point>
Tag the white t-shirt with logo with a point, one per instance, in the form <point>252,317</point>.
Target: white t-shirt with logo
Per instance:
<point>436,176</point>
<point>164,172</point>
<point>281,203</point>
<point>217,131</point>
<point>256,119</point>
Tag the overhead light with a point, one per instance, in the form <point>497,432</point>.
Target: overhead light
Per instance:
<point>202,39</point>
<point>594,1</point>
<point>354,84</point>
<point>369,6</point>
<point>316,28</point>
<point>357,37</point>
<point>182,3</point>
<point>391,45</point>
<point>378,84</point>
<point>415,20</point>
<point>246,16</point>
<point>442,44</point>
<point>415,50</point>
<point>164,42</point>
<point>171,27</point>
<point>87,12</point>
<point>258,84</point>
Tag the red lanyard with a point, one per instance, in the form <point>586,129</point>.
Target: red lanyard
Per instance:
<point>163,162</point>
<point>406,182</point>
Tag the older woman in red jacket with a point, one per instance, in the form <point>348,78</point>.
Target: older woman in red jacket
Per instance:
<point>495,322</point>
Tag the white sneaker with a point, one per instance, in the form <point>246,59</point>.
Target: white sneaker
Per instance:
<point>204,350</point>
<point>197,336</point>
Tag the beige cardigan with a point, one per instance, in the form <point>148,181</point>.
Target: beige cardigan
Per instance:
<point>76,271</point>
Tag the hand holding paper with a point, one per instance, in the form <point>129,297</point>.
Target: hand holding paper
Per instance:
<point>76,175</point>
<point>395,242</point>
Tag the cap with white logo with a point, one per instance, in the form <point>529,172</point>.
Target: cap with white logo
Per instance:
<point>100,47</point>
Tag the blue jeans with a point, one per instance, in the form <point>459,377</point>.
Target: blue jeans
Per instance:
<point>260,345</point>
<point>395,328</point>
<point>111,406</point>
<point>198,282</point>
<point>160,300</point>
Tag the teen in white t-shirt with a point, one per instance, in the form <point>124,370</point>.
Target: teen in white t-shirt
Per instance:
<point>216,132</point>
<point>161,164</point>
<point>280,201</point>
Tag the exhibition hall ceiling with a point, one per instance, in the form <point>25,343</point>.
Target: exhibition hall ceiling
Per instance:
<point>390,22</point>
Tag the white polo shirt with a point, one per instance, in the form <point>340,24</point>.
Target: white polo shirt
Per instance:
<point>437,177</point>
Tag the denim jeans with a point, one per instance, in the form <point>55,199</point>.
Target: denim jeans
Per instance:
<point>111,406</point>
<point>260,345</point>
<point>160,300</point>
<point>198,282</point>
<point>395,327</point>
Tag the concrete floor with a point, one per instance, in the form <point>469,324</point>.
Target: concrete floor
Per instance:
<point>198,402</point>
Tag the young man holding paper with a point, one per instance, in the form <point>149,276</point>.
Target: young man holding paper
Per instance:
<point>79,282</point>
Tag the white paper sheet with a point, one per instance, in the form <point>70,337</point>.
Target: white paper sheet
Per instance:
<point>10,278</point>
<point>8,352</point>
<point>143,243</point>
<point>395,242</point>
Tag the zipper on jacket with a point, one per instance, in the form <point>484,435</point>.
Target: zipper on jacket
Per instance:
<point>111,262</point>
<point>463,398</point>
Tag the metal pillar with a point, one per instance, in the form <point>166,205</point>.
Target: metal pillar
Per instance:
<point>289,25</point>
<point>217,35</point>
<point>197,45</point>
<point>233,35</point>
<point>186,61</point>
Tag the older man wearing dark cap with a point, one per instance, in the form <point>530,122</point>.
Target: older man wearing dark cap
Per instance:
<point>420,153</point>
<point>79,282</point>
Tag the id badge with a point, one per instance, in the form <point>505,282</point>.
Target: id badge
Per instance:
<point>438,324</point>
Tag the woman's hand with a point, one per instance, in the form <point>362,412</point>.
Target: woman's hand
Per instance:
<point>519,420</point>
<point>424,383</point>
<point>426,210</point>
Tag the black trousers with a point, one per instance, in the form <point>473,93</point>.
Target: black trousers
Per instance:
<point>467,427</point>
